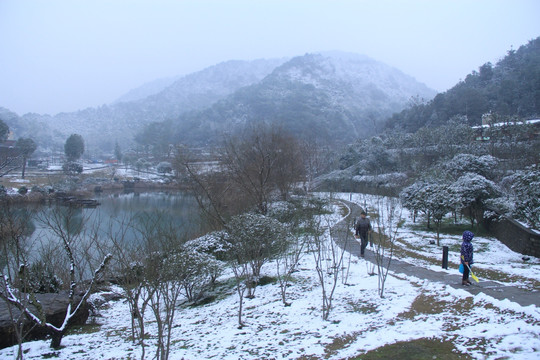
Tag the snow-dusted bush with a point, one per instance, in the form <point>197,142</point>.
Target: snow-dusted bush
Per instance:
<point>414,197</point>
<point>526,188</point>
<point>214,243</point>
<point>471,191</point>
<point>42,279</point>
<point>141,164</point>
<point>394,179</point>
<point>433,198</point>
<point>72,168</point>
<point>255,238</point>
<point>164,167</point>
<point>195,270</point>
<point>460,164</point>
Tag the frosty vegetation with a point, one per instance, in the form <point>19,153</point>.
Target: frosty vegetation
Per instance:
<point>21,280</point>
<point>253,191</point>
<point>450,169</point>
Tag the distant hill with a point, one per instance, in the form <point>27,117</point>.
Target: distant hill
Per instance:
<point>147,89</point>
<point>332,97</point>
<point>511,87</point>
<point>120,121</point>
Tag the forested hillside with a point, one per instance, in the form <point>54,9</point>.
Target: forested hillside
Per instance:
<point>439,162</point>
<point>331,98</point>
<point>509,88</point>
<point>103,126</point>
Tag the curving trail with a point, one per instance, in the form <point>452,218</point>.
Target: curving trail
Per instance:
<point>342,233</point>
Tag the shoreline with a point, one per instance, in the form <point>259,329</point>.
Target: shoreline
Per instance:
<point>46,195</point>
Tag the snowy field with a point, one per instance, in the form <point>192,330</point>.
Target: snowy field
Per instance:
<point>360,321</point>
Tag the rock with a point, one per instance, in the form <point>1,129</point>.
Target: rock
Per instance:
<point>54,306</point>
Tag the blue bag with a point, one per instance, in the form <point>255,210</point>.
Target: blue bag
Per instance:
<point>461,268</point>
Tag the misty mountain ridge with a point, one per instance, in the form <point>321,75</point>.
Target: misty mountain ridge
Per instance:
<point>334,97</point>
<point>147,89</point>
<point>332,94</point>
<point>510,88</point>
<point>102,126</point>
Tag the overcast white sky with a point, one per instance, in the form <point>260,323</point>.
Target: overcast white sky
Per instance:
<point>65,55</point>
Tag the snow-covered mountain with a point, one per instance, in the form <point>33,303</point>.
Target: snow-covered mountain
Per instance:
<point>147,89</point>
<point>334,97</point>
<point>102,126</point>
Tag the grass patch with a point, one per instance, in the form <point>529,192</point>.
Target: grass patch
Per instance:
<point>204,301</point>
<point>362,307</point>
<point>430,305</point>
<point>266,280</point>
<point>420,349</point>
<point>83,329</point>
<point>51,355</point>
<point>339,343</point>
<point>448,227</point>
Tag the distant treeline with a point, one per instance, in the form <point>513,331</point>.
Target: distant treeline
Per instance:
<point>510,88</point>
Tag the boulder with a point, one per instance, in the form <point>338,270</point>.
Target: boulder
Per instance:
<point>54,306</point>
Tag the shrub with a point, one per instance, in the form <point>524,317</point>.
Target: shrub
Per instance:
<point>72,168</point>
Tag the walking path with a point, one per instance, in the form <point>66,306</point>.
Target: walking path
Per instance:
<point>491,288</point>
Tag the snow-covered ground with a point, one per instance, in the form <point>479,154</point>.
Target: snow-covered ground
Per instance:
<point>508,267</point>
<point>360,321</point>
<point>13,181</point>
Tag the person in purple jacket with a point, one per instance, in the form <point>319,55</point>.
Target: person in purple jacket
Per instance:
<point>466,256</point>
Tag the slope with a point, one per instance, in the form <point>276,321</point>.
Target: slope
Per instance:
<point>332,97</point>
<point>102,126</point>
<point>510,88</point>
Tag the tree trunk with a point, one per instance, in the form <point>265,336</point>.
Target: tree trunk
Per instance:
<point>56,338</point>
<point>23,167</point>
<point>438,231</point>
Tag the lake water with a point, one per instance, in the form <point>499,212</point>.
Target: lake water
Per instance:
<point>150,210</point>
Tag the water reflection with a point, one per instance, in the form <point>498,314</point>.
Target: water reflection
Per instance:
<point>118,210</point>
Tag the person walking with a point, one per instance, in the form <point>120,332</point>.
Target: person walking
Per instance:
<point>466,256</point>
<point>362,229</point>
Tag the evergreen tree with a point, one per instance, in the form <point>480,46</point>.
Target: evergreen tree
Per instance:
<point>4,130</point>
<point>117,152</point>
<point>26,147</point>
<point>74,147</point>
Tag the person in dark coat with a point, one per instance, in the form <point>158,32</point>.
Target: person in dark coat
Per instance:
<point>466,256</point>
<point>362,230</point>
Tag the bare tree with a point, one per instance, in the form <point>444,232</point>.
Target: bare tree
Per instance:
<point>126,246</point>
<point>388,221</point>
<point>297,215</point>
<point>210,187</point>
<point>250,163</point>
<point>328,258</point>
<point>9,161</point>
<point>14,256</point>
<point>59,223</point>
<point>161,241</point>
<point>317,159</point>
<point>250,170</point>
<point>254,239</point>
<point>287,262</point>
<point>262,160</point>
